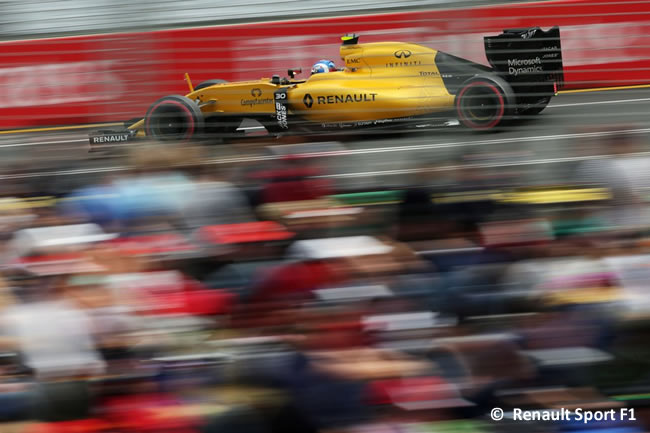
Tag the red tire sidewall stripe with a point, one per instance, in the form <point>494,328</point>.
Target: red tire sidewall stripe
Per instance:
<point>178,104</point>
<point>491,87</point>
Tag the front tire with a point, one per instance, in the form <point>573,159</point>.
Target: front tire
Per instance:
<point>174,118</point>
<point>208,83</point>
<point>484,103</point>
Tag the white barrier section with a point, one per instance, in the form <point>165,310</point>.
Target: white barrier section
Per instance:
<point>37,17</point>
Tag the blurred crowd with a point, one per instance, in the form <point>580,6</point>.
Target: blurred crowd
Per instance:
<point>182,297</point>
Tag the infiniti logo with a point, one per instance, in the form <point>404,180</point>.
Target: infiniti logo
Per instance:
<point>402,54</point>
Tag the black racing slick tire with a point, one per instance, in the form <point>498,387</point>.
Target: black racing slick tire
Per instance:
<point>174,118</point>
<point>484,103</point>
<point>208,83</point>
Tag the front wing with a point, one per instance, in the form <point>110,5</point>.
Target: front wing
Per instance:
<point>110,138</point>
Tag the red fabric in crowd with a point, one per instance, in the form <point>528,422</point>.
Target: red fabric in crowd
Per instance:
<point>295,279</point>
<point>208,302</point>
<point>245,232</point>
<point>339,335</point>
<point>139,414</point>
<point>152,244</point>
<point>296,190</point>
<point>408,390</point>
<point>287,173</point>
<point>193,298</point>
<point>77,426</point>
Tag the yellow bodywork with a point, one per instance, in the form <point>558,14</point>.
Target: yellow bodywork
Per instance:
<point>381,80</point>
<point>242,97</point>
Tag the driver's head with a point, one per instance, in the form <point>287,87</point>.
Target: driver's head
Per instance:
<point>323,66</point>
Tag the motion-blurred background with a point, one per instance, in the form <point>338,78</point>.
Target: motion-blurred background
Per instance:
<point>408,282</point>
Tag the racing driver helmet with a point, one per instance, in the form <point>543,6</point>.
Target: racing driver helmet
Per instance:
<point>323,66</point>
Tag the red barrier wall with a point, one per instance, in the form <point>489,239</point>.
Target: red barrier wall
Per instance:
<point>101,78</point>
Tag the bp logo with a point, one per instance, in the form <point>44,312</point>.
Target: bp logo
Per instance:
<point>308,100</point>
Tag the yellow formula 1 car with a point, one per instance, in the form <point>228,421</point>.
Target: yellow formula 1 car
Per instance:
<point>384,83</point>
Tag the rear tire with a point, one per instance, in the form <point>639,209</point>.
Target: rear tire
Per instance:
<point>174,118</point>
<point>484,103</point>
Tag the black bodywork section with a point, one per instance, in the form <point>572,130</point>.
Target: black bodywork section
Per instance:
<point>455,70</point>
<point>282,108</point>
<point>529,59</point>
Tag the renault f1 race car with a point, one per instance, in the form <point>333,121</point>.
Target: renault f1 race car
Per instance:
<point>382,83</point>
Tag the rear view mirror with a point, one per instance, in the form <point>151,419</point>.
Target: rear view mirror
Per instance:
<point>294,71</point>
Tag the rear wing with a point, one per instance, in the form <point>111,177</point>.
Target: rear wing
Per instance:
<point>527,56</point>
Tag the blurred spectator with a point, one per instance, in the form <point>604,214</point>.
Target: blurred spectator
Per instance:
<point>417,214</point>
<point>110,322</point>
<point>320,263</point>
<point>562,259</point>
<point>297,280</point>
<point>167,190</point>
<point>623,171</point>
<point>443,203</point>
<point>52,332</point>
<point>293,179</point>
<point>16,393</point>
<point>150,196</point>
<point>213,201</point>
